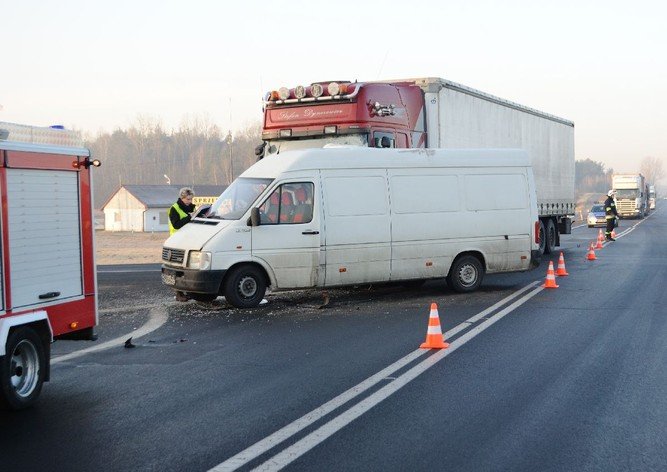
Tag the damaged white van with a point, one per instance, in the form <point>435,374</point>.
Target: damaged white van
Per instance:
<point>352,215</point>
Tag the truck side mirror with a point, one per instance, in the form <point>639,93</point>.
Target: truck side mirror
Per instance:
<point>254,217</point>
<point>259,150</point>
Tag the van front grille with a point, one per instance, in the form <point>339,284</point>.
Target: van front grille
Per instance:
<point>173,255</point>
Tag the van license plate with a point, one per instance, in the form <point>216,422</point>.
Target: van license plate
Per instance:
<point>168,279</point>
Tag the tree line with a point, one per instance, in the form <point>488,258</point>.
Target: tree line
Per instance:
<point>593,177</point>
<point>197,153</point>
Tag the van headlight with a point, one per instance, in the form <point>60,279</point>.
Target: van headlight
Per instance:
<point>200,260</point>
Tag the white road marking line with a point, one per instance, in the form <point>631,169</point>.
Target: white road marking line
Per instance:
<point>293,428</point>
<point>304,445</point>
<point>157,318</point>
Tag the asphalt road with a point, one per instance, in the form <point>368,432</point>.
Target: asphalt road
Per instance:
<point>571,378</point>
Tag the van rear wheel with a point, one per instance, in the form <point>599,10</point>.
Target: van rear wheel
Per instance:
<point>466,274</point>
<point>22,369</point>
<point>245,286</point>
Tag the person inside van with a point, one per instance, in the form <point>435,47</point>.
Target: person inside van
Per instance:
<point>303,213</point>
<point>286,207</point>
<point>271,209</point>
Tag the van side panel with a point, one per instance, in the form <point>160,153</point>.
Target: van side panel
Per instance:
<point>426,219</point>
<point>357,226</point>
<point>501,205</point>
<point>439,213</point>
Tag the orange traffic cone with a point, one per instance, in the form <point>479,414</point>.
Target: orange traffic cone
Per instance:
<point>434,337</point>
<point>591,254</point>
<point>613,234</point>
<point>550,281</point>
<point>560,271</point>
<point>600,235</point>
<point>599,244</point>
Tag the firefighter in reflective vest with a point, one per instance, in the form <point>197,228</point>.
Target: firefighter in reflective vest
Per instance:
<point>610,214</point>
<point>180,212</point>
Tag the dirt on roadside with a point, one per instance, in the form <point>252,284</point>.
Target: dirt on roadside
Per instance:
<point>117,247</point>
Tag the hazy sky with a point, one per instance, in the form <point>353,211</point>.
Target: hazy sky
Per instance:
<point>99,65</point>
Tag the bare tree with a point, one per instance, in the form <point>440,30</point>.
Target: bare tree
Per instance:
<point>651,168</point>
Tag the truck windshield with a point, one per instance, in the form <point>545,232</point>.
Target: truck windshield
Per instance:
<point>278,146</point>
<point>626,193</point>
<point>237,198</point>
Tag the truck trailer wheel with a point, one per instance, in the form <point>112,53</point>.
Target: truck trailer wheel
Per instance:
<point>245,286</point>
<point>466,274</point>
<point>550,237</point>
<point>22,369</point>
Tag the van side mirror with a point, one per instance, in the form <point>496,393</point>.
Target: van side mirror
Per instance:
<point>254,217</point>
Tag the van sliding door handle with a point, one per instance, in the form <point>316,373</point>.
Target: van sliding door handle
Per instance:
<point>310,232</point>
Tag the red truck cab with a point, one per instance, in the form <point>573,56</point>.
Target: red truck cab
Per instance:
<point>373,114</point>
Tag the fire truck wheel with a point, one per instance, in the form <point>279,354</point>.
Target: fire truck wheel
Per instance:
<point>22,369</point>
<point>245,286</point>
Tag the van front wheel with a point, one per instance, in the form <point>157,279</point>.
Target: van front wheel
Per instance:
<point>245,286</point>
<point>466,274</point>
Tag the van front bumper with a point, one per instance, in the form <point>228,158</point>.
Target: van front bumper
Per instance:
<point>192,280</point>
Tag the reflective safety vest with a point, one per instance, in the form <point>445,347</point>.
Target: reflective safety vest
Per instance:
<point>610,209</point>
<point>180,212</point>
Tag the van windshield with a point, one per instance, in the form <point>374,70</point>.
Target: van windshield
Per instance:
<point>237,198</point>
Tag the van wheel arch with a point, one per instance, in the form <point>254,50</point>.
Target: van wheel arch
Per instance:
<point>466,272</point>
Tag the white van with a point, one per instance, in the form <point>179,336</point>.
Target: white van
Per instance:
<point>351,215</point>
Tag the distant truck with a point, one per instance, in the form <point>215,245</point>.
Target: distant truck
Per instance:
<point>346,216</point>
<point>48,285</point>
<point>651,197</point>
<point>429,113</point>
<point>631,195</point>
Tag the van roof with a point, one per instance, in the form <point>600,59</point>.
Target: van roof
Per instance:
<point>368,158</point>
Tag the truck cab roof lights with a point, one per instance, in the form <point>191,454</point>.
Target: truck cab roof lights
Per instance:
<point>333,88</point>
<point>316,90</point>
<point>300,94</point>
<point>283,93</point>
<point>300,91</point>
<point>285,133</point>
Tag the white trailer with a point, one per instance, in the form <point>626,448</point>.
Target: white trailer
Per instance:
<point>433,113</point>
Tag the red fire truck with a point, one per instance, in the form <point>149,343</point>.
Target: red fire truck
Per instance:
<point>431,113</point>
<point>48,286</point>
